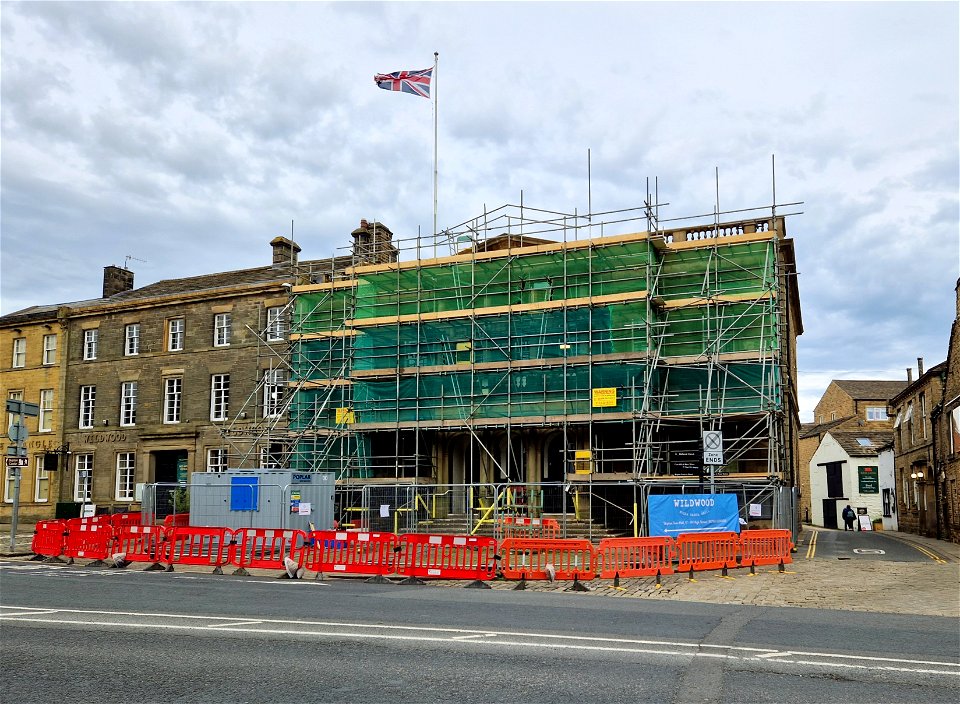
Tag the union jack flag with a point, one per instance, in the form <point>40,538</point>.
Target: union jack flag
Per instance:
<point>413,82</point>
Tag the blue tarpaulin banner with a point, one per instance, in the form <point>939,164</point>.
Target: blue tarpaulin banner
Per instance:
<point>672,514</point>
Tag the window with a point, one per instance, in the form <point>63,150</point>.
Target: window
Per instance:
<point>128,403</point>
<point>19,352</point>
<point>88,400</point>
<point>172,397</point>
<point>877,413</point>
<point>217,459</point>
<point>42,491</point>
<point>126,475</point>
<point>9,484</point>
<point>175,329</point>
<point>273,388</point>
<point>219,396</point>
<point>45,422</point>
<point>13,396</point>
<point>49,349</point>
<point>90,338</point>
<point>275,324</point>
<point>272,456</point>
<point>83,478</point>
<point>221,329</point>
<point>923,416</point>
<point>908,418</point>
<point>131,340</point>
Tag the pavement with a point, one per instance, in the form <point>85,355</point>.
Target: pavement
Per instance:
<point>922,579</point>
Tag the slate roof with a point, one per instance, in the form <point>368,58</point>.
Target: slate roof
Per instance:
<point>848,440</point>
<point>809,430</point>
<point>870,390</point>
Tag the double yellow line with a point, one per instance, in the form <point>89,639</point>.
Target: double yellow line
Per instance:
<point>812,545</point>
<point>929,553</point>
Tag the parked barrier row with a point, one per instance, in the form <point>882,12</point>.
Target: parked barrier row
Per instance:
<point>410,555</point>
<point>524,527</point>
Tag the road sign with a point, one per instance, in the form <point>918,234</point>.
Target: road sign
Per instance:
<point>18,406</point>
<point>17,462</point>
<point>17,432</point>
<point>712,447</point>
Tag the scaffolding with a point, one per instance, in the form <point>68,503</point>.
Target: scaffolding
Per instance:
<point>527,345</point>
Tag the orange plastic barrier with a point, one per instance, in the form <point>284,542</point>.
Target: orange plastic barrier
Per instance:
<point>447,556</point>
<point>176,520</point>
<point>195,545</point>
<point>48,538</point>
<point>266,548</point>
<point>635,557</point>
<point>351,553</point>
<point>88,521</point>
<point>88,540</point>
<point>765,547</point>
<point>706,551</point>
<point>118,520</point>
<point>142,543</point>
<point>528,557</point>
<point>523,527</point>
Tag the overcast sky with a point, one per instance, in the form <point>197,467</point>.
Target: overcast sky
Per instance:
<point>186,136</point>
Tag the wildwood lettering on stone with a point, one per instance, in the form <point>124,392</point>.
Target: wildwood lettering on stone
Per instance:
<point>103,437</point>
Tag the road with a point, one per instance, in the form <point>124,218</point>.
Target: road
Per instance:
<point>823,543</point>
<point>133,636</point>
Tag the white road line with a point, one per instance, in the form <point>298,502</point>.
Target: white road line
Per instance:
<point>238,623</point>
<point>774,655</point>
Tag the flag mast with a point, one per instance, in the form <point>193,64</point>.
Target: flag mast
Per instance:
<point>436,59</point>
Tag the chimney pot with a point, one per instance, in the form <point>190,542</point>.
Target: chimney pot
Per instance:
<point>284,251</point>
<point>363,224</point>
<point>919,367</point>
<point>909,375</point>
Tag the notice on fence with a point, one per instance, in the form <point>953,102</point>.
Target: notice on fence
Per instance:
<point>672,514</point>
<point>384,510</point>
<point>756,510</point>
<point>304,508</point>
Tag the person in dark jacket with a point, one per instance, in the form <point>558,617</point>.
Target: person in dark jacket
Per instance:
<point>849,516</point>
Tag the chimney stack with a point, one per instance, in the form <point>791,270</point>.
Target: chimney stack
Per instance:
<point>919,367</point>
<point>116,280</point>
<point>373,243</point>
<point>284,251</point>
<point>909,375</point>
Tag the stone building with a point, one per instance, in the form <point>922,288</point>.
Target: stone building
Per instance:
<point>914,451</point>
<point>946,437</point>
<point>846,405</point>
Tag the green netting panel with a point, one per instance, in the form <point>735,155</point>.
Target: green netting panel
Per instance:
<point>734,268</point>
<point>528,278</point>
<point>732,388</point>
<point>342,455</point>
<point>322,358</point>
<point>322,311</point>
<point>518,336</point>
<point>723,328</point>
<point>317,408</point>
<point>520,393</point>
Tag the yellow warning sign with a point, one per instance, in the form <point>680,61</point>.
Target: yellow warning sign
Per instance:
<point>604,398</point>
<point>582,462</point>
<point>345,416</point>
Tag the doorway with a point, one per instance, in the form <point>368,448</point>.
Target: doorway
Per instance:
<point>830,513</point>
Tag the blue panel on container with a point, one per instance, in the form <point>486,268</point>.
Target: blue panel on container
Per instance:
<point>244,493</point>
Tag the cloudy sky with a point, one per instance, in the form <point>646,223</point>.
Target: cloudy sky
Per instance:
<point>186,136</point>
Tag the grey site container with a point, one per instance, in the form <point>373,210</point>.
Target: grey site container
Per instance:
<point>262,498</point>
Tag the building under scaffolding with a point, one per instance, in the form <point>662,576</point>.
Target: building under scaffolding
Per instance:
<point>528,347</point>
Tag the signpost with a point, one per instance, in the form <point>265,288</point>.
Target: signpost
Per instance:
<point>18,436</point>
<point>712,454</point>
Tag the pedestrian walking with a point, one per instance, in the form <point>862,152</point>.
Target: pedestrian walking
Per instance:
<point>849,516</point>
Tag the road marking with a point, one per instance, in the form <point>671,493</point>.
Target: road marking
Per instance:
<point>321,629</point>
<point>869,551</point>
<point>929,553</point>
<point>812,545</point>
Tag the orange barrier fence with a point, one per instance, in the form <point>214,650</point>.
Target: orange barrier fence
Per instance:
<point>194,545</point>
<point>90,541</point>
<point>706,551</point>
<point>351,553</point>
<point>635,557</point>
<point>102,519</point>
<point>765,547</point>
<point>447,556</point>
<point>522,527</point>
<point>534,559</point>
<point>265,548</point>
<point>175,520</point>
<point>142,543</point>
<point>119,520</point>
<point>49,538</point>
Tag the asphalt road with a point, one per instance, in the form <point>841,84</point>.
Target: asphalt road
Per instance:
<point>856,545</point>
<point>131,636</point>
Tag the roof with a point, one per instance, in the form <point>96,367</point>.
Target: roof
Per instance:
<point>808,430</point>
<point>864,390</point>
<point>850,441</point>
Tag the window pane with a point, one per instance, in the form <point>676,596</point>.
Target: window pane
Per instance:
<point>131,339</point>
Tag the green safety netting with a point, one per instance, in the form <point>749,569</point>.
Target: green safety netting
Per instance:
<point>725,269</point>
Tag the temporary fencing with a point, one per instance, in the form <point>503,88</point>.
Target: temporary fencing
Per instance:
<point>706,551</point>
<point>142,543</point>
<point>175,520</point>
<point>635,557</point>
<point>49,538</point>
<point>266,549</point>
<point>447,556</point>
<point>523,527</point>
<point>765,547</point>
<point>194,545</point>
<point>88,540</point>
<point>535,559</point>
<point>119,520</point>
<point>351,553</point>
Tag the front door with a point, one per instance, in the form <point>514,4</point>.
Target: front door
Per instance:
<point>829,513</point>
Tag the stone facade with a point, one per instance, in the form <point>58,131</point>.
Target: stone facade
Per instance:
<point>946,434</point>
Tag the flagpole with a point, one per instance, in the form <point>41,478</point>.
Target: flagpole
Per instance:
<point>436,59</point>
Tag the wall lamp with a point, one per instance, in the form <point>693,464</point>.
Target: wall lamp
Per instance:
<point>916,475</point>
